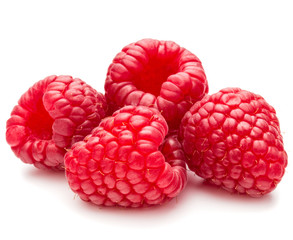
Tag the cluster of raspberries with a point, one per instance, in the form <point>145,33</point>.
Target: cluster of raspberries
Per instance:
<point>130,147</point>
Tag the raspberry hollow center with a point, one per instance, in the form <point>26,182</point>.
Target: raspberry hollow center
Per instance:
<point>40,122</point>
<point>154,74</point>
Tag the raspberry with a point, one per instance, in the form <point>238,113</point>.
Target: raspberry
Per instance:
<point>122,162</point>
<point>232,139</point>
<point>52,115</point>
<point>159,74</point>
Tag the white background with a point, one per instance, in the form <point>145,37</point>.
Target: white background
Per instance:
<point>246,44</point>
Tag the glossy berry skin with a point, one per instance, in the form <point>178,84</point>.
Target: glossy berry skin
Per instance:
<point>158,74</point>
<point>127,161</point>
<point>52,115</point>
<point>232,139</point>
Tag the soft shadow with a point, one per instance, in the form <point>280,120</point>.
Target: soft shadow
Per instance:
<point>137,218</point>
<point>47,175</point>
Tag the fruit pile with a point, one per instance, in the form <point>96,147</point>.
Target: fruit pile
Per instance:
<point>131,147</point>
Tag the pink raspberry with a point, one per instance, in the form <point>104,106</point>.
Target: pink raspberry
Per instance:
<point>233,139</point>
<point>52,115</point>
<point>127,161</point>
<point>158,74</point>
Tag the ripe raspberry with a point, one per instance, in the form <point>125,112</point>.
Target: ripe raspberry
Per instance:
<point>158,74</point>
<point>122,161</point>
<point>52,115</point>
<point>232,139</point>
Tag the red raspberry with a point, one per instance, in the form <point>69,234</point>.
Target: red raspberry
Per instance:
<point>159,74</point>
<point>232,139</point>
<point>122,161</point>
<point>52,115</point>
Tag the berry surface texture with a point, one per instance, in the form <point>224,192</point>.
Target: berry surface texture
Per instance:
<point>158,74</point>
<point>128,160</point>
<point>52,115</point>
<point>232,139</point>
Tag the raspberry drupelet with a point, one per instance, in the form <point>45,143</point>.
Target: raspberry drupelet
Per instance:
<point>158,74</point>
<point>128,161</point>
<point>232,139</point>
<point>52,115</point>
